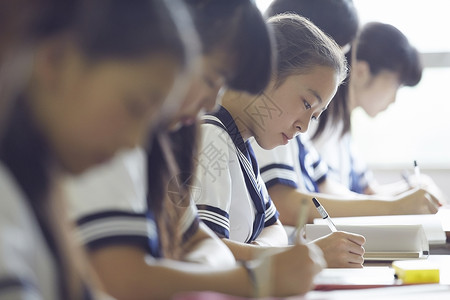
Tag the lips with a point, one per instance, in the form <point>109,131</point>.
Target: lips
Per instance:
<point>285,138</point>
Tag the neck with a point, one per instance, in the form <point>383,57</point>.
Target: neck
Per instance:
<point>235,103</point>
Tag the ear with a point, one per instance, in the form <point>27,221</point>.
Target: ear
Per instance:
<point>361,72</point>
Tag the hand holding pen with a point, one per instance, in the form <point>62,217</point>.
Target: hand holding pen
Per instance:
<point>341,249</point>
<point>323,213</point>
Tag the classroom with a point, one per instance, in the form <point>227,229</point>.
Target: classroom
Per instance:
<point>224,149</point>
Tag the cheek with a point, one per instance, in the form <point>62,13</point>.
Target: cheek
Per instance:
<point>102,127</point>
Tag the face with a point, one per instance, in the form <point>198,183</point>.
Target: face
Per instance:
<point>99,109</point>
<point>204,90</point>
<point>378,93</point>
<point>291,106</point>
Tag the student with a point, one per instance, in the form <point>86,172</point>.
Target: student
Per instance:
<point>76,111</point>
<point>339,19</point>
<point>296,171</point>
<point>375,79</point>
<point>234,202</point>
<point>151,241</point>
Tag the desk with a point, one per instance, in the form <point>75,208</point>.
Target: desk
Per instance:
<point>439,291</point>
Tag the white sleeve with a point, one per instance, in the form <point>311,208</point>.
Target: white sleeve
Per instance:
<point>214,180</point>
<point>109,205</point>
<point>276,166</point>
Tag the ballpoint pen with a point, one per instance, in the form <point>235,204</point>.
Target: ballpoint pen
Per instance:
<point>324,214</point>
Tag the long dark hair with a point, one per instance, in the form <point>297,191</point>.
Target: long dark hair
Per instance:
<point>338,108</point>
<point>235,27</point>
<point>109,29</point>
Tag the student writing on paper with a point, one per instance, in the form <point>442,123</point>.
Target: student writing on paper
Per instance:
<point>135,214</point>
<point>71,114</point>
<point>234,201</point>
<point>331,135</point>
<point>296,171</point>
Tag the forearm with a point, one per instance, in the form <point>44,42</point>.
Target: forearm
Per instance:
<point>390,189</point>
<point>288,201</point>
<point>274,236</point>
<point>243,251</point>
<point>206,248</point>
<point>126,273</point>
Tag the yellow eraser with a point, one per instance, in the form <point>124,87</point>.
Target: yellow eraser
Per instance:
<point>416,271</point>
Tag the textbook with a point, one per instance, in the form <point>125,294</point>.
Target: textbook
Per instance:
<point>432,223</point>
<point>383,242</point>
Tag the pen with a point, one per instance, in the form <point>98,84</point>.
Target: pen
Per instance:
<point>324,214</point>
<point>417,172</point>
<point>301,220</point>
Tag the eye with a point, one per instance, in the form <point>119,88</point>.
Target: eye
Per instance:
<point>306,104</point>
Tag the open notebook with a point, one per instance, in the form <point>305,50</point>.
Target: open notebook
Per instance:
<point>383,242</point>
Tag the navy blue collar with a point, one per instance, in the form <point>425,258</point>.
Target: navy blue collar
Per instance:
<point>231,127</point>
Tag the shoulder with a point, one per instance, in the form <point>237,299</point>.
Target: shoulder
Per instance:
<point>213,130</point>
<point>117,185</point>
<point>279,155</point>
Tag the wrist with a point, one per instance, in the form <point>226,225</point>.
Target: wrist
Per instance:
<point>258,272</point>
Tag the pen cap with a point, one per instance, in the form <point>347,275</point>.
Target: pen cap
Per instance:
<point>316,203</point>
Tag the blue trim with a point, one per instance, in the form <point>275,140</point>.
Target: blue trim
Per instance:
<point>229,126</point>
<point>150,244</point>
<point>281,181</point>
<point>250,176</point>
<point>310,183</point>
<point>107,214</point>
<point>256,195</point>
<point>219,230</point>
<point>276,166</point>
<point>213,209</point>
<point>274,218</point>
<point>316,164</point>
